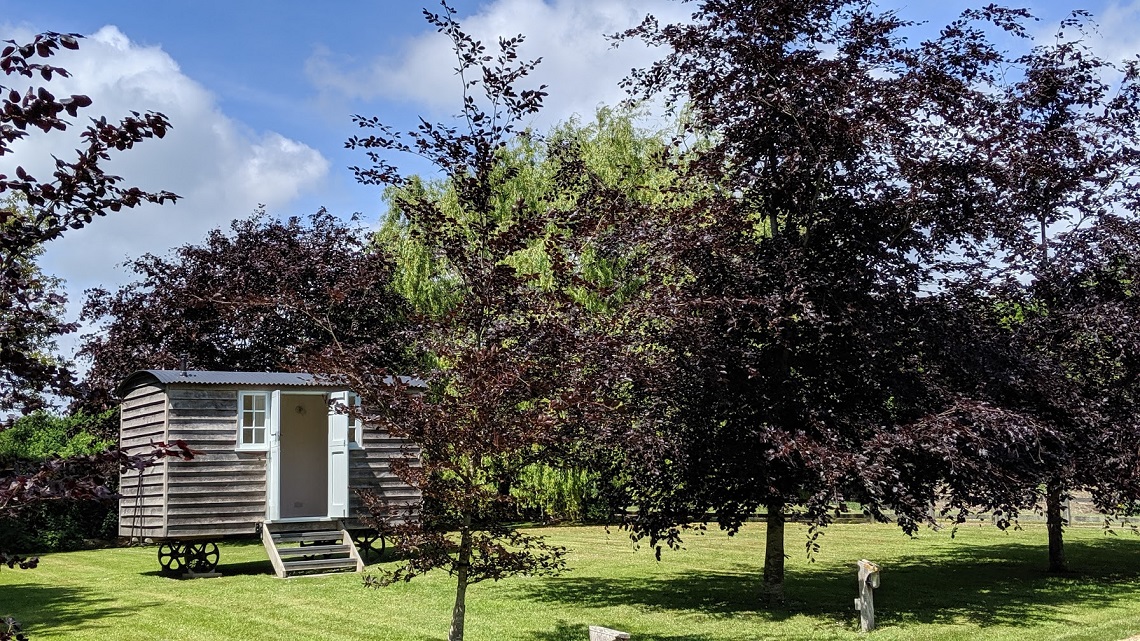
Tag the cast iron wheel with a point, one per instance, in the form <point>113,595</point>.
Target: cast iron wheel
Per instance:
<point>171,557</point>
<point>202,558</point>
<point>366,543</point>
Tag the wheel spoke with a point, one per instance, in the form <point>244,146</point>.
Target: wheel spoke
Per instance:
<point>366,543</point>
<point>202,557</point>
<point>171,558</point>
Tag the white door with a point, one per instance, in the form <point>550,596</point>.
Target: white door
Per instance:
<point>273,500</point>
<point>338,458</point>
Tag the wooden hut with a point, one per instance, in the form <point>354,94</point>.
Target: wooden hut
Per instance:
<point>278,462</point>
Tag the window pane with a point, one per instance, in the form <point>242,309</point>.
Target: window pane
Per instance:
<point>258,419</point>
<point>259,402</point>
<point>247,402</point>
<point>259,435</point>
<point>247,419</point>
<point>247,436</point>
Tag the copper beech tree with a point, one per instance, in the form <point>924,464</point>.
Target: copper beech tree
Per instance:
<point>780,308</point>
<point>264,295</point>
<point>501,389</point>
<point>795,355</point>
<point>1040,326</point>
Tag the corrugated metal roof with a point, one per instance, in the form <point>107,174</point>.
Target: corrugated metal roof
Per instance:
<point>250,379</point>
<point>207,377</point>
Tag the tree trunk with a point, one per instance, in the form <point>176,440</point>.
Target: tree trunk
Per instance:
<point>1056,526</point>
<point>504,486</point>
<point>774,553</point>
<point>463,566</point>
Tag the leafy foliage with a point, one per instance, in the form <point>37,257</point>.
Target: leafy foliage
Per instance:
<point>264,297</point>
<point>77,192</point>
<point>57,525</point>
<point>85,477</point>
<point>10,630</point>
<point>822,324</point>
<point>1050,163</point>
<point>43,210</point>
<point>549,493</point>
<point>31,326</point>
<point>779,306</point>
<point>502,362</point>
<point>41,435</point>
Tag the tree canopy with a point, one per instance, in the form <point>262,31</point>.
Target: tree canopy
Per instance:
<point>789,326</point>
<point>266,295</point>
<point>501,352</point>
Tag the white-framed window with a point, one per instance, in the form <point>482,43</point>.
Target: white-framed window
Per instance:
<point>253,420</point>
<point>355,429</point>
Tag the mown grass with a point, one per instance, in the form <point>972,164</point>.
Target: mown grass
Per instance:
<point>981,584</point>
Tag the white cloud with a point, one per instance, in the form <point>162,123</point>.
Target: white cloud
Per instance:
<point>1119,38</point>
<point>220,167</point>
<point>579,65</point>
<point>1113,36</point>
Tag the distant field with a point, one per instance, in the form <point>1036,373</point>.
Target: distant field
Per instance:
<point>982,584</point>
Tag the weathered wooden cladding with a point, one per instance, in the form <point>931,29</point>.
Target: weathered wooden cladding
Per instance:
<point>370,468</point>
<point>223,486</point>
<point>142,422</point>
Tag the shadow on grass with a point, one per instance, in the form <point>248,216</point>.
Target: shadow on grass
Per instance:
<point>228,550</point>
<point>1001,584</point>
<point>59,609</point>
<point>246,568</point>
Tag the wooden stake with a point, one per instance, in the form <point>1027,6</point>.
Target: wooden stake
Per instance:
<point>865,604</point>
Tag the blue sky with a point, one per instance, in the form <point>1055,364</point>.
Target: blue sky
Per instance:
<point>261,93</point>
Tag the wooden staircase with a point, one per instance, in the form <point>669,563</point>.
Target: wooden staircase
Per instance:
<point>326,550</point>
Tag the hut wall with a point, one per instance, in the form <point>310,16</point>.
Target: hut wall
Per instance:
<point>142,510</point>
<point>222,492</point>
<point>369,469</point>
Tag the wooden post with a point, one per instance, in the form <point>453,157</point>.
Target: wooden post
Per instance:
<point>865,604</point>
<point>598,633</point>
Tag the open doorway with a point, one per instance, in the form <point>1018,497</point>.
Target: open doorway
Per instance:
<point>304,462</point>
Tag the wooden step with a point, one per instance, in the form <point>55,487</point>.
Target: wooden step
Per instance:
<point>345,555</point>
<point>321,564</point>
<point>298,537</point>
<point>314,549</point>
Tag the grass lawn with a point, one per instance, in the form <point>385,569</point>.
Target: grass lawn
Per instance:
<point>982,584</point>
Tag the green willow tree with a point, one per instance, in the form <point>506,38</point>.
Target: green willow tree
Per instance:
<point>611,151</point>
<point>580,167</point>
